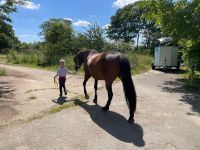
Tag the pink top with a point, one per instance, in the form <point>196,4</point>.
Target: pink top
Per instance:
<point>62,72</point>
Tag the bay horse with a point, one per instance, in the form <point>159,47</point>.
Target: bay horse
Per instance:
<point>107,66</point>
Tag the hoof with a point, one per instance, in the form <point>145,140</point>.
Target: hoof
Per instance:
<point>95,101</point>
<point>87,96</point>
<point>131,121</point>
<point>105,108</point>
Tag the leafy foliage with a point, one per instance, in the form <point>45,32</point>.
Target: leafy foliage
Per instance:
<point>93,38</point>
<point>130,22</point>
<point>7,37</point>
<point>2,72</point>
<point>58,39</point>
<point>179,19</point>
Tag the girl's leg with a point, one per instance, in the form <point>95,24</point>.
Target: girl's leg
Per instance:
<point>60,87</point>
<point>65,91</point>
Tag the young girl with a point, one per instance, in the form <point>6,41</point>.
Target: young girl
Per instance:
<point>62,73</point>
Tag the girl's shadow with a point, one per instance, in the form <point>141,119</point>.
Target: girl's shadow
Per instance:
<point>61,100</point>
<point>114,124</point>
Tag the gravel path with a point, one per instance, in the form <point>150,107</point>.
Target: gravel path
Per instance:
<point>167,117</point>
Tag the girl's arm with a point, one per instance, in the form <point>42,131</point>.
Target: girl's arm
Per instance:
<point>70,72</point>
<point>56,75</point>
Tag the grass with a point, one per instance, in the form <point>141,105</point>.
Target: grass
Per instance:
<point>3,58</point>
<point>2,72</point>
<point>70,103</point>
<point>140,62</point>
<point>33,59</point>
<point>74,102</point>
<point>192,84</point>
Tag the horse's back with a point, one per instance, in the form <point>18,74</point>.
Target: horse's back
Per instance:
<point>104,66</point>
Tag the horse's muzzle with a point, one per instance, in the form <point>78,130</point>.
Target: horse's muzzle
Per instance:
<point>76,68</point>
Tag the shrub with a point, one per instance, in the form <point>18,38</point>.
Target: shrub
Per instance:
<point>2,72</point>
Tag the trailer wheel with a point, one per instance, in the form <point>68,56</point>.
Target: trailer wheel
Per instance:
<point>178,68</point>
<point>152,67</point>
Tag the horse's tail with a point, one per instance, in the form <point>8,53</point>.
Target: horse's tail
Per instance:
<point>129,88</point>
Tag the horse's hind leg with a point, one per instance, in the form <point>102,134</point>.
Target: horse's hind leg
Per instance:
<point>87,76</point>
<point>110,96</point>
<point>95,87</point>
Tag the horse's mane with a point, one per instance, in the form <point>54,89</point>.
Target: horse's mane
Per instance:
<point>88,51</point>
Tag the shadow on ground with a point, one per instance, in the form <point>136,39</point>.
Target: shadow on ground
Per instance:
<point>6,90</point>
<point>114,124</point>
<point>189,97</point>
<point>171,71</point>
<point>6,102</point>
<point>60,101</point>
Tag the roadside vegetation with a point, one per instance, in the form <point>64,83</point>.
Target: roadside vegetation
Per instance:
<point>149,19</point>
<point>140,62</point>
<point>193,84</point>
<point>3,58</point>
<point>2,72</point>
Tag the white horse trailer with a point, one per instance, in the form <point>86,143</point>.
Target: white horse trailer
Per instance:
<point>166,57</point>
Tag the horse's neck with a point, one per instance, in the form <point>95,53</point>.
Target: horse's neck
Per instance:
<point>92,53</point>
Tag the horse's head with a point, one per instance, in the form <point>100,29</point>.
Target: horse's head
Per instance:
<point>79,59</point>
<point>81,56</point>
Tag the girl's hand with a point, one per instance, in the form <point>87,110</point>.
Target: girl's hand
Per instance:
<point>55,81</point>
<point>71,72</point>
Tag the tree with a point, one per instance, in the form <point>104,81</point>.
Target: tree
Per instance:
<point>58,39</point>
<point>180,20</point>
<point>92,38</point>
<point>95,38</point>
<point>7,36</point>
<point>80,41</point>
<point>127,23</point>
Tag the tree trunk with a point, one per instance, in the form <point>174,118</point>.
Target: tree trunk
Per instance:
<point>138,37</point>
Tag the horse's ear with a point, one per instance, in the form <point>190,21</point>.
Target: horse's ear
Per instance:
<point>77,50</point>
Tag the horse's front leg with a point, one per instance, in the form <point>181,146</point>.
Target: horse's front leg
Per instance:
<point>95,88</point>
<point>110,96</point>
<point>87,76</point>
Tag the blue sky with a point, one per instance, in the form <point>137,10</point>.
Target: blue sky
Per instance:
<point>27,20</point>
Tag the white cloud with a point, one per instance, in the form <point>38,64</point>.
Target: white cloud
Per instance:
<point>122,3</point>
<point>27,35</point>
<point>2,2</point>
<point>106,26</point>
<point>70,19</point>
<point>30,5</point>
<point>82,23</point>
<point>26,4</point>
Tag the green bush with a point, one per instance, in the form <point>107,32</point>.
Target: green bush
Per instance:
<point>22,58</point>
<point>191,55</point>
<point>38,59</point>
<point>2,72</point>
<point>118,46</point>
<point>140,62</point>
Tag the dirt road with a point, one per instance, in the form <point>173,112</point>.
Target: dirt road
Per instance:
<point>167,117</point>
<point>27,91</point>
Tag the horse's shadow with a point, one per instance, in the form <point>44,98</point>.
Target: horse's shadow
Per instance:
<point>115,124</point>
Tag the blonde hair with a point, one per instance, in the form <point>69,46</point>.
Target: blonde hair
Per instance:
<point>62,61</point>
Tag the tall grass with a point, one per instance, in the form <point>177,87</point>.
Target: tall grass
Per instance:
<point>2,72</point>
<point>192,84</point>
<point>22,58</point>
<point>3,58</point>
<point>36,59</point>
<point>140,62</point>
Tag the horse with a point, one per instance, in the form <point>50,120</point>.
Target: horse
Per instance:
<point>107,66</point>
